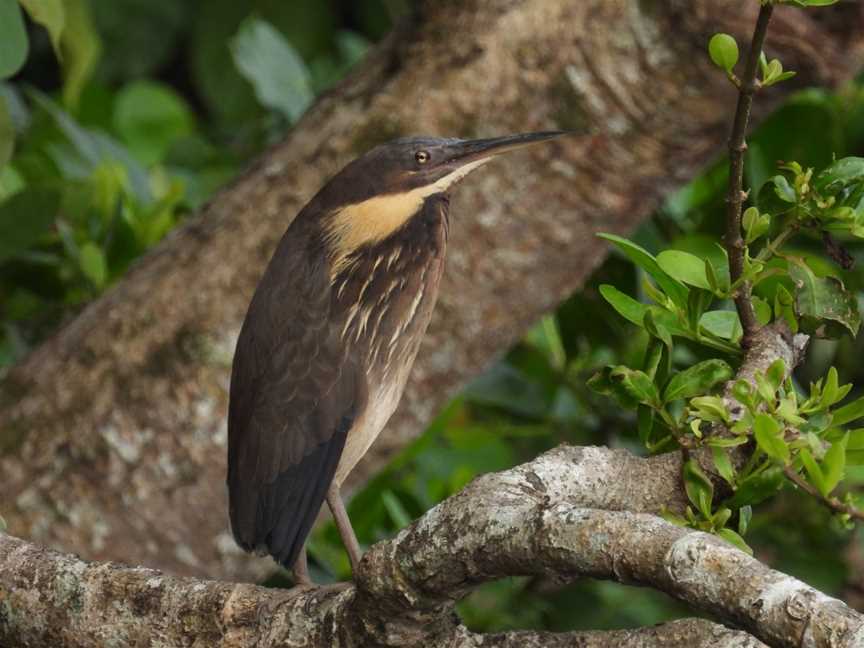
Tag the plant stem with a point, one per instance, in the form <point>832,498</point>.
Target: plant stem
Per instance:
<point>736,197</point>
<point>831,502</point>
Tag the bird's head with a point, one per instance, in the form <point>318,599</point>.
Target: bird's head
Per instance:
<point>381,191</point>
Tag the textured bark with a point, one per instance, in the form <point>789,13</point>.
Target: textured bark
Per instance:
<point>530,520</point>
<point>112,435</point>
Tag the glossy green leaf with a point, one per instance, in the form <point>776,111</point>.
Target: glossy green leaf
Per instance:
<point>645,260</point>
<point>697,380</point>
<point>824,298</point>
<point>273,67</point>
<point>723,51</point>
<point>627,307</point>
<point>51,15</point>
<point>685,267</point>
<point>13,38</point>
<point>25,218</point>
<point>768,435</point>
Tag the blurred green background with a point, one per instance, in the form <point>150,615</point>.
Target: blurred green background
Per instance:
<point>154,104</point>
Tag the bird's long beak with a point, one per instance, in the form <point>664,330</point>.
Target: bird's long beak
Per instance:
<point>473,150</point>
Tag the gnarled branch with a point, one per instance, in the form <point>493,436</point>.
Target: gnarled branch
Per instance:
<point>530,520</point>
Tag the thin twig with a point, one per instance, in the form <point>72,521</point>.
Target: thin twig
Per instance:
<point>735,199</point>
<point>831,502</point>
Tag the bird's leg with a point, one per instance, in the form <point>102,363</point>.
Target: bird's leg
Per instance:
<point>346,531</point>
<point>300,570</point>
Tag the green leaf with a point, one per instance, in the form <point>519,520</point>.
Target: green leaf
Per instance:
<point>755,224</point>
<point>150,117</point>
<point>93,265</point>
<point>726,442</point>
<point>637,384</point>
<point>627,307</point>
<point>835,463</point>
<point>856,439</point>
<point>722,323</point>
<point>676,291</point>
<point>723,51</point>
<point>768,437</point>
<point>81,47</point>
<point>839,175</point>
<point>848,413</point>
<point>645,420</point>
<point>51,15</point>
<point>775,375</point>
<point>697,380</point>
<point>763,310</point>
<point>814,472</point>
<point>736,540</point>
<point>685,267</point>
<point>824,298</point>
<point>745,514</point>
<point>710,408</point>
<point>25,218</point>
<point>723,464</point>
<point>700,490</point>
<point>273,67</point>
<point>757,487</point>
<point>13,38</point>
<point>783,189</point>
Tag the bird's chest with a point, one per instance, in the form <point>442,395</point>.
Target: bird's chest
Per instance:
<point>385,318</point>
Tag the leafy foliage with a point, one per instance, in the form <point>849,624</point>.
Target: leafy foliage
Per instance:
<point>117,144</point>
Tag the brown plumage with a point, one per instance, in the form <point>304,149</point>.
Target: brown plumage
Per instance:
<point>331,334</point>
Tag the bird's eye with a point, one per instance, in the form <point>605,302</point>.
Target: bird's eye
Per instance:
<point>422,157</point>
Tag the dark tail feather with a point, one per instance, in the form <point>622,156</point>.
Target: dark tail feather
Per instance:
<point>288,507</point>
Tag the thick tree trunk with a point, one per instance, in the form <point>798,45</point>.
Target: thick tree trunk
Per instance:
<point>112,434</point>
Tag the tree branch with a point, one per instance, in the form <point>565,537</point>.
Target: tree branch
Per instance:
<point>530,520</point>
<point>736,197</point>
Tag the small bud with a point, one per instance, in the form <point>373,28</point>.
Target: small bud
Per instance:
<point>723,51</point>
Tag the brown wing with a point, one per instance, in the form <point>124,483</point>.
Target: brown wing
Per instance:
<point>295,393</point>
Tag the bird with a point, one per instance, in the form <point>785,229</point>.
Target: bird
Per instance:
<point>331,334</point>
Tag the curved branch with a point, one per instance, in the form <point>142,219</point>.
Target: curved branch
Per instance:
<point>530,520</point>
